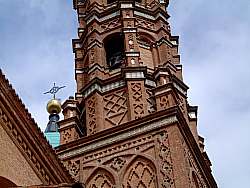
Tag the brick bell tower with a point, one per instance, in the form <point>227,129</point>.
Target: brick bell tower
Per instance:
<point>129,124</point>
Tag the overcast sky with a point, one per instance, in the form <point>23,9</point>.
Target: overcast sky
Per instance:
<point>35,51</point>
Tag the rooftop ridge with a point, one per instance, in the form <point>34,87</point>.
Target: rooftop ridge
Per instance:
<point>31,122</point>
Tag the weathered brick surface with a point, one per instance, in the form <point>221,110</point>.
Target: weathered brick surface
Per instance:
<point>129,99</point>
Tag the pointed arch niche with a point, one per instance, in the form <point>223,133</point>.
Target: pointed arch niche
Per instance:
<point>147,53</point>
<point>100,178</point>
<point>141,173</point>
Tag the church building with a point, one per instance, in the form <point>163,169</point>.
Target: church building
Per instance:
<point>129,124</point>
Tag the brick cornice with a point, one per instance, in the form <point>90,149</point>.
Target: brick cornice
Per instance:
<point>195,150</point>
<point>116,130</point>
<point>73,149</point>
<point>28,137</point>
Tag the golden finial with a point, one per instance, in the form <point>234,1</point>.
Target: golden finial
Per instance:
<point>54,105</point>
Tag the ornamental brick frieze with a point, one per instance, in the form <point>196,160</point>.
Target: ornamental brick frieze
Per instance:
<point>151,101</point>
<point>117,138</point>
<point>102,88</point>
<point>28,139</point>
<point>166,166</point>
<point>152,4</point>
<point>68,135</point>
<point>141,173</point>
<point>115,108</point>
<point>182,103</point>
<point>128,16</point>
<point>102,18</point>
<point>144,23</point>
<point>133,161</point>
<point>165,101</point>
<point>96,6</point>
<point>110,25</point>
<point>91,119</point>
<point>118,161</point>
<point>150,16</point>
<point>126,148</point>
<point>137,99</point>
<point>73,166</point>
<point>118,158</point>
<point>131,44</point>
<point>12,129</point>
<point>101,179</point>
<point>128,22</point>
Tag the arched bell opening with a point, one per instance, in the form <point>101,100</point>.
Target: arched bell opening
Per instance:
<point>146,51</point>
<point>115,51</point>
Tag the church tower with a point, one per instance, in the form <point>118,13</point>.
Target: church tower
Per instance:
<point>129,124</point>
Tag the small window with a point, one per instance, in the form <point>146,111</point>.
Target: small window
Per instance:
<point>114,47</point>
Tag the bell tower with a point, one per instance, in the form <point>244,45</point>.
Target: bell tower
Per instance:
<point>129,124</point>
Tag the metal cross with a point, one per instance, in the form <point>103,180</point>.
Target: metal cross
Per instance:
<point>54,90</point>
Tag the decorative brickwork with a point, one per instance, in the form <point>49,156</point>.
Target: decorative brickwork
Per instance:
<point>195,182</point>
<point>152,4</point>
<point>127,127</point>
<point>166,167</point>
<point>164,102</point>
<point>141,173</point>
<point>126,162</point>
<point>110,25</point>
<point>115,108</point>
<point>91,105</point>
<point>24,145</point>
<point>146,24</point>
<point>101,179</point>
<point>66,136</point>
<point>110,151</point>
<point>131,42</point>
<point>130,79</point>
<point>151,101</point>
<point>28,141</point>
<point>117,163</point>
<point>137,100</point>
<point>73,168</point>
